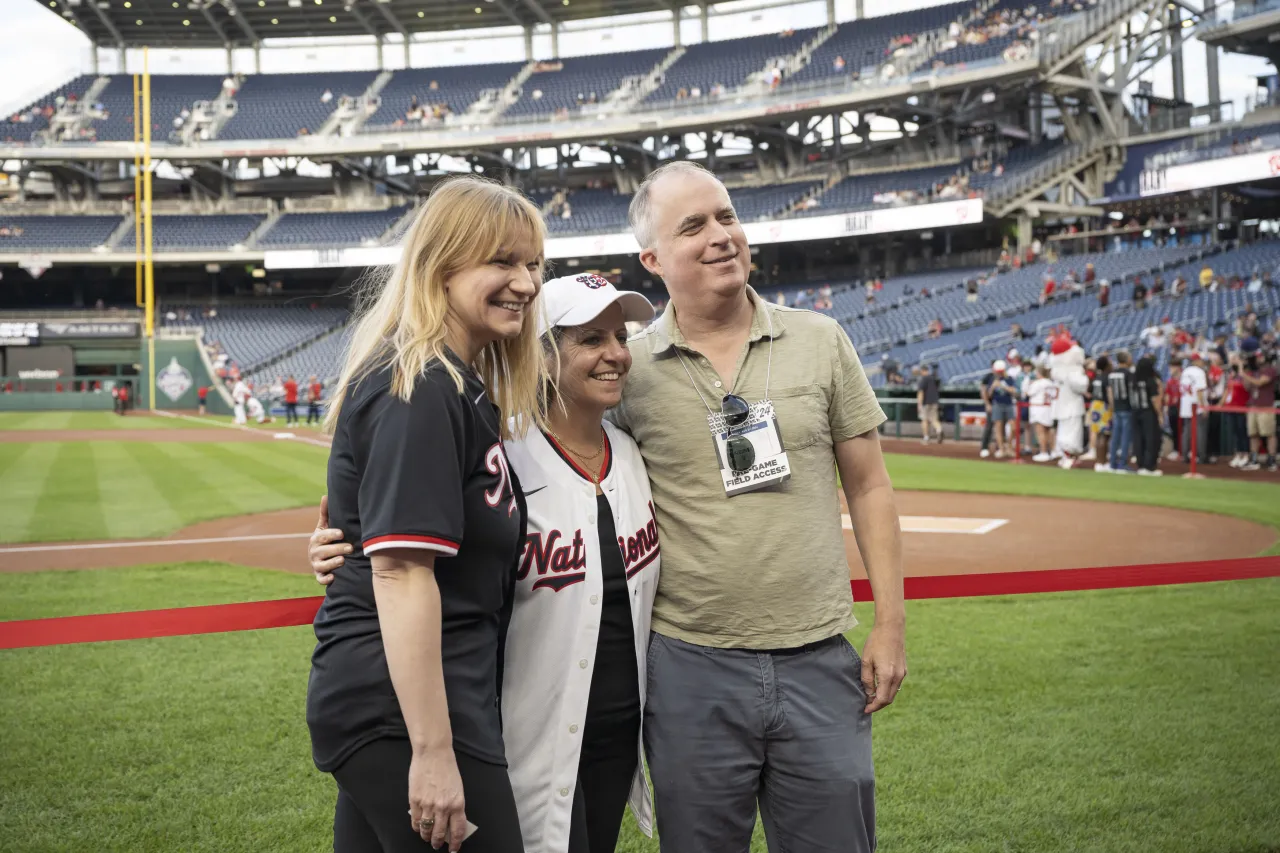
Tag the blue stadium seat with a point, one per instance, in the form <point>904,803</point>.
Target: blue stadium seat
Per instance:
<point>296,230</point>
<point>458,86</point>
<point>20,131</point>
<point>196,232</point>
<point>170,95</point>
<point>580,78</point>
<point>48,233</point>
<point>280,106</point>
<point>254,334</point>
<point>727,63</point>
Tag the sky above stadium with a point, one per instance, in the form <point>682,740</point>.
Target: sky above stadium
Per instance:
<point>42,51</point>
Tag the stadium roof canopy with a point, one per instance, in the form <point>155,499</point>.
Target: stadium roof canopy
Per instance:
<point>244,23</point>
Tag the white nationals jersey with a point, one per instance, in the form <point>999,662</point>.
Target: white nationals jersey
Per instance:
<point>240,393</point>
<point>555,623</point>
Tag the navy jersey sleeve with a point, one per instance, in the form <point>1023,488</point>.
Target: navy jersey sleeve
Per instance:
<point>412,482</point>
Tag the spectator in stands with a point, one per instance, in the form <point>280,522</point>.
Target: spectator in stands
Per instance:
<point>891,369</point>
<point>1139,293</point>
<point>1104,294</point>
<point>1260,378</point>
<point>326,96</point>
<point>1015,331</point>
<point>838,64</point>
<point>291,401</point>
<point>1089,274</point>
<point>935,328</point>
<point>928,393</point>
<point>230,86</point>
<point>971,290</point>
<point>1206,276</point>
<point>1193,388</point>
<point>1046,293</point>
<point>1119,379</point>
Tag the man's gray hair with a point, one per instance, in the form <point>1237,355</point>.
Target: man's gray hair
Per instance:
<point>639,214</point>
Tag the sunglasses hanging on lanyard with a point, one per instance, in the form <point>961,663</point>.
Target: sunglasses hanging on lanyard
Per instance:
<point>747,440</point>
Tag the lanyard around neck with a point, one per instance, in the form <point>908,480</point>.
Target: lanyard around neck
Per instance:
<point>768,375</point>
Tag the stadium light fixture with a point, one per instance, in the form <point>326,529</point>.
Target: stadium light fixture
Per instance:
<point>53,4</point>
<point>186,22</point>
<point>262,3</point>
<point>275,21</point>
<point>1146,232</point>
<point>332,19</point>
<point>1116,215</point>
<point>421,14</point>
<point>128,5</point>
<point>138,22</point>
<point>478,10</point>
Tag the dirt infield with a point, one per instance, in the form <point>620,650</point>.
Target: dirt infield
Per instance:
<point>209,434</point>
<point>1039,533</point>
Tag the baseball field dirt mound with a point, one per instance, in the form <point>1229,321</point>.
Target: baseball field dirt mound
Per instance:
<point>986,533</point>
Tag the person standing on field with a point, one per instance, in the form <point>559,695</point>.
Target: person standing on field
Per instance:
<point>291,401</point>
<point>928,392</point>
<point>315,393</point>
<point>756,701</point>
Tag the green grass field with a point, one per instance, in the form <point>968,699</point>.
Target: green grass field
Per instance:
<point>1125,720</point>
<point>88,420</point>
<point>1130,720</point>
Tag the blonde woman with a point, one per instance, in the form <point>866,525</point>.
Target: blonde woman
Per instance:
<point>574,681</point>
<point>403,697</point>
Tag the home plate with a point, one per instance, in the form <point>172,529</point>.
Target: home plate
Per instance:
<point>284,435</point>
<point>939,524</point>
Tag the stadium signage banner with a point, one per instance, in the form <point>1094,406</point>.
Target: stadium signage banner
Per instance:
<point>1256,166</point>
<point>883,220</point>
<point>19,334</point>
<point>55,331</point>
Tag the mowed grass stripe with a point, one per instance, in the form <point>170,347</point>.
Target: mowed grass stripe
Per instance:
<point>297,485</point>
<point>25,472</point>
<point>304,462</point>
<point>69,505</point>
<point>182,473</point>
<point>133,504</point>
<point>90,421</point>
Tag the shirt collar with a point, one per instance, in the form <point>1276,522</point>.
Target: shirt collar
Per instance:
<point>667,334</point>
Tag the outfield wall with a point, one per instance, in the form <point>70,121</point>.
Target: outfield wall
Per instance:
<point>180,371</point>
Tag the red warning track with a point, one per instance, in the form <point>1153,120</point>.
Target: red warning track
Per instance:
<point>288,612</point>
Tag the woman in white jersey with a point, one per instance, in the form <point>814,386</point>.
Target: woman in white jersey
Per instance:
<point>574,675</point>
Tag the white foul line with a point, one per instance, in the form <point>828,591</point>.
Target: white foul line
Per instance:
<point>153,543</point>
<point>280,435</point>
<point>927,524</point>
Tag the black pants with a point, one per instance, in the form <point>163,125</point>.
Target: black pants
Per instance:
<point>313,411</point>
<point>610,752</point>
<point>1145,432</point>
<point>291,416</point>
<point>372,814</point>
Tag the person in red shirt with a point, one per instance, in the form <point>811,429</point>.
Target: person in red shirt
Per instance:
<point>202,394</point>
<point>122,402</point>
<point>1172,401</point>
<point>291,401</point>
<point>315,392</point>
<point>1237,422</point>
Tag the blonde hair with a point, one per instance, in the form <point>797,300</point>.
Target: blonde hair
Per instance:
<point>401,316</point>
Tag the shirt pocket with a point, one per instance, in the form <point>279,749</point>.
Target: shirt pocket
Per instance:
<point>802,417</point>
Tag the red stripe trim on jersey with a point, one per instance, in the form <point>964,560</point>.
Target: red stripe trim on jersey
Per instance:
<point>404,540</point>
<point>605,465</point>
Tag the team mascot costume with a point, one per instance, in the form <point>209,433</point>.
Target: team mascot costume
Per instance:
<point>1066,369</point>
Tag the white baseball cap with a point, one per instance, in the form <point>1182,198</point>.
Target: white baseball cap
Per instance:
<point>572,300</point>
<point>999,366</point>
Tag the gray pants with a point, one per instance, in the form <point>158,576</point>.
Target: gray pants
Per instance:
<point>1202,437</point>
<point>727,728</point>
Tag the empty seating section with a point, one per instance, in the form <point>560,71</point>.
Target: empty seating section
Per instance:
<point>322,359</point>
<point>219,231</point>
<point>20,132</point>
<point>280,106</point>
<point>592,211</point>
<point>254,334</point>
<point>170,95</point>
<point>579,78</point>
<point>295,230</point>
<point>727,63</point>
<point>754,203</point>
<point>458,86</point>
<point>865,44</point>
<point>50,233</point>
<point>963,54</point>
<point>1016,161</point>
<point>858,192</point>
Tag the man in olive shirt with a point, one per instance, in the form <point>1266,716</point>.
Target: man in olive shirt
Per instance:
<point>754,696</point>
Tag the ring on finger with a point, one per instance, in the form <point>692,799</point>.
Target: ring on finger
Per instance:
<point>426,823</point>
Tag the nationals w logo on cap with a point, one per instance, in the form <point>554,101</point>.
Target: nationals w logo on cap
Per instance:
<point>593,281</point>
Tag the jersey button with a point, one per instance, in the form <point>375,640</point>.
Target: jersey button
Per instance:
<point>582,664</point>
<point>591,519</point>
<point>595,599</point>
<point>564,792</point>
<point>573,730</point>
